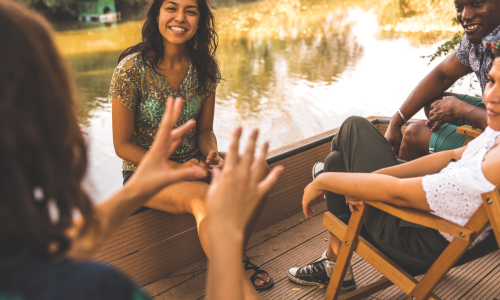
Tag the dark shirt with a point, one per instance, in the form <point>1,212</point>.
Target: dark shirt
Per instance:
<point>66,280</point>
<point>472,55</point>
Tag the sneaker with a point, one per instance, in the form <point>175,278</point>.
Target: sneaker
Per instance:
<point>319,273</point>
<point>317,169</point>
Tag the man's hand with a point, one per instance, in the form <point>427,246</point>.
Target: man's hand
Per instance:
<point>394,137</point>
<point>443,111</point>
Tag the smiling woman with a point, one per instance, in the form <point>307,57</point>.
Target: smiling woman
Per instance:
<point>176,58</point>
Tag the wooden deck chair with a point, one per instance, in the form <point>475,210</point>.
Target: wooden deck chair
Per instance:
<point>489,211</point>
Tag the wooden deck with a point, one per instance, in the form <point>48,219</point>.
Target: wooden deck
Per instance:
<point>296,242</point>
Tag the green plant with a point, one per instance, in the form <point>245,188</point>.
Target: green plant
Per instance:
<point>447,46</point>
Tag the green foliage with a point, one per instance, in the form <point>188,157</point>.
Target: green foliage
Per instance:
<point>447,46</point>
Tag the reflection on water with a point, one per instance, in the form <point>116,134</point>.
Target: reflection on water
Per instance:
<point>292,68</point>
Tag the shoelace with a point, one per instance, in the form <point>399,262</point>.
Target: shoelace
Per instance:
<point>313,265</point>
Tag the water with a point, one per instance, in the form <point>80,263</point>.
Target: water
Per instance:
<point>292,68</point>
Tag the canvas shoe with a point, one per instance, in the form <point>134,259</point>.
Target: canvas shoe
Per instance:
<point>319,273</point>
<point>317,169</point>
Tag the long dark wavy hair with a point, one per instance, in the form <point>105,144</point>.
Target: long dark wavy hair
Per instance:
<point>201,47</point>
<point>42,150</point>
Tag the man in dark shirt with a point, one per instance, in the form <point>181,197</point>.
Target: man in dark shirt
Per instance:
<point>447,111</point>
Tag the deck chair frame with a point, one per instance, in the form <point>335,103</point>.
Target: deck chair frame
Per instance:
<point>464,236</point>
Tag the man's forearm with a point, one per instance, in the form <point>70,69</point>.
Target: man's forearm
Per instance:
<point>477,116</point>
<point>429,89</point>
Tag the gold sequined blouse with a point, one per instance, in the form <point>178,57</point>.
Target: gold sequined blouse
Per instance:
<point>144,91</point>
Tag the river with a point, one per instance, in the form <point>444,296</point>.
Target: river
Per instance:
<point>292,68</point>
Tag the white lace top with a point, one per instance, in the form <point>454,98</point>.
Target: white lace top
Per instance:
<point>454,193</point>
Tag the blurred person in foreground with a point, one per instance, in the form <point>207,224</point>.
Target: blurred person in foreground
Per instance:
<point>176,58</point>
<point>43,247</point>
<point>449,184</point>
<point>447,111</point>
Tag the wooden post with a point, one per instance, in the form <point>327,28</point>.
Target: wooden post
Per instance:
<point>345,253</point>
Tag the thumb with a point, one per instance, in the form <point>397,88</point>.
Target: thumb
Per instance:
<point>210,156</point>
<point>185,174</point>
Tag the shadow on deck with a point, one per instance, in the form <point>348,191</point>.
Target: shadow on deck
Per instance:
<point>294,242</point>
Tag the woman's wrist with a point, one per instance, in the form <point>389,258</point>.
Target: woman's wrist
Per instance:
<point>219,229</point>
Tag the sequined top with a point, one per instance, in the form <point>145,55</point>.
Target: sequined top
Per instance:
<point>145,92</point>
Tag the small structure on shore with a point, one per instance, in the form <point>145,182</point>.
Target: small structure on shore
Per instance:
<point>97,10</point>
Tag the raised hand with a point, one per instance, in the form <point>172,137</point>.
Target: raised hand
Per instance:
<point>236,191</point>
<point>153,172</point>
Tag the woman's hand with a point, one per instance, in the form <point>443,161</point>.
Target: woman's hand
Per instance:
<point>236,191</point>
<point>153,172</point>
<point>214,160</point>
<point>353,202</point>
<point>194,163</point>
<point>312,195</point>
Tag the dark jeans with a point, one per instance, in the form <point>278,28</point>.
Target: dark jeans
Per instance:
<point>359,147</point>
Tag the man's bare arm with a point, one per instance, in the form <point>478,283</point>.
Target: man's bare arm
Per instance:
<point>429,89</point>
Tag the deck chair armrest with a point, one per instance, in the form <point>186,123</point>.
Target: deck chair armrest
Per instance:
<point>469,131</point>
<point>425,219</point>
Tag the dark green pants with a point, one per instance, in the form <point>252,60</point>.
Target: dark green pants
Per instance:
<point>360,147</point>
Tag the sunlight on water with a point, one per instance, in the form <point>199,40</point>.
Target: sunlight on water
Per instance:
<point>293,68</point>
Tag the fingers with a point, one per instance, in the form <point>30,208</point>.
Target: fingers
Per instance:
<point>437,125</point>
<point>170,116</point>
<point>232,155</point>
<point>210,156</point>
<point>396,149</point>
<point>248,156</point>
<point>265,185</point>
<point>186,174</point>
<point>259,163</point>
<point>178,132</point>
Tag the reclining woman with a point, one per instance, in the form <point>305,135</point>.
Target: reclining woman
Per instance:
<point>448,184</point>
<point>176,58</point>
<point>43,158</point>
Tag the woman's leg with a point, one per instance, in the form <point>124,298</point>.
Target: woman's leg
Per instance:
<point>185,197</point>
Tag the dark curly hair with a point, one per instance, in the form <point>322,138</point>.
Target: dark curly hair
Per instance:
<point>42,151</point>
<point>201,47</point>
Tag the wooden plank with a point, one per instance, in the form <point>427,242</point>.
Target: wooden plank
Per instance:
<point>260,253</point>
<point>160,259</point>
<point>367,290</point>
<point>153,228</point>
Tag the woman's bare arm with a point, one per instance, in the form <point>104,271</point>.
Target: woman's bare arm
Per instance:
<point>373,187</point>
<point>205,125</point>
<point>123,132</point>
<point>429,164</point>
<point>153,174</point>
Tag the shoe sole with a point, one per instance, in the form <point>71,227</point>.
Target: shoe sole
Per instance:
<point>349,288</point>
<point>315,174</point>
